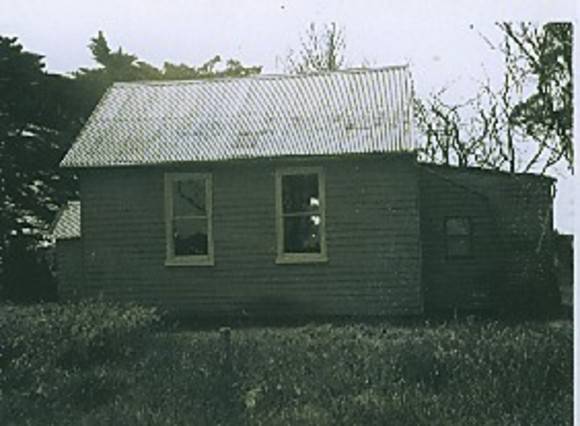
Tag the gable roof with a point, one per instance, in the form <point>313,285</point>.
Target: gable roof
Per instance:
<point>330,113</point>
<point>67,224</point>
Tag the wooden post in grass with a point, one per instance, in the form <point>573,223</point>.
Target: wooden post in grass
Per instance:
<point>226,337</point>
<point>227,378</point>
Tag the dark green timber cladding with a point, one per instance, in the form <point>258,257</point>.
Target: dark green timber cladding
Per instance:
<point>372,231</point>
<point>510,214</point>
<point>69,264</point>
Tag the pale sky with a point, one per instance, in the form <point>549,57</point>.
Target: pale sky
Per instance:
<point>441,40</point>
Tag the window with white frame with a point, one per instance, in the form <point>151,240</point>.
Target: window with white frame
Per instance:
<point>300,215</point>
<point>188,213</point>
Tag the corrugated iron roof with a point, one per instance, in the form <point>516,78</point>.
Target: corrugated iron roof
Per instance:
<point>331,113</point>
<point>68,222</point>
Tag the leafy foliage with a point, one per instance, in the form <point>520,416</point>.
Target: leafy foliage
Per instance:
<point>234,68</point>
<point>26,276</point>
<point>546,115</point>
<point>72,335</point>
<point>40,114</point>
<point>495,128</point>
<point>37,120</point>
<point>114,66</point>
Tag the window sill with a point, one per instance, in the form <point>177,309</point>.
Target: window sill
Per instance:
<point>189,261</point>
<point>287,259</point>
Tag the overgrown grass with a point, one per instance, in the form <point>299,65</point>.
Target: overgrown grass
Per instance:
<point>468,373</point>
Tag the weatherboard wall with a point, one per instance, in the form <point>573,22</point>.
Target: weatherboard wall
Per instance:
<point>512,218</point>
<point>372,233</point>
<point>69,263</point>
<point>456,281</point>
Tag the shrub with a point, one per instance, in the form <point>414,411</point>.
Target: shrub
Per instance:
<point>73,335</point>
<point>25,275</point>
<point>45,348</point>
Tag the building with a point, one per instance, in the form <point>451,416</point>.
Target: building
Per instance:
<point>290,195</point>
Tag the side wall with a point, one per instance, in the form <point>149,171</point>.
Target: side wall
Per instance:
<point>69,263</point>
<point>452,282</point>
<point>512,217</point>
<point>372,229</point>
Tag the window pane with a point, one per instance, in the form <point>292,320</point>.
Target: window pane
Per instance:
<point>189,197</point>
<point>302,234</point>
<point>300,193</point>
<point>190,237</point>
<point>457,226</point>
<point>457,247</point>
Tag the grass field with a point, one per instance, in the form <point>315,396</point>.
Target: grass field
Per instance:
<point>463,372</point>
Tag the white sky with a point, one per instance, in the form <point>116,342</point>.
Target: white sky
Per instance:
<point>440,39</point>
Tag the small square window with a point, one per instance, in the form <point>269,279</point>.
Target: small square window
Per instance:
<point>458,239</point>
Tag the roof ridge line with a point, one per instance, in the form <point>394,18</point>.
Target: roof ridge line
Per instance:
<point>272,76</point>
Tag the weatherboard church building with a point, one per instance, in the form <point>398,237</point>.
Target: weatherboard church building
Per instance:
<point>285,196</point>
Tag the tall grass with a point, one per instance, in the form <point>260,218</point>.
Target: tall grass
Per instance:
<point>468,373</point>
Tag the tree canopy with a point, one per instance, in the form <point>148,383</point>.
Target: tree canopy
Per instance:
<point>118,65</point>
<point>320,50</point>
<point>37,113</point>
<point>545,53</point>
<point>533,107</point>
<point>40,115</point>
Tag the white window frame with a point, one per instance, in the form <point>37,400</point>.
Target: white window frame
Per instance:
<point>281,256</point>
<point>188,260</point>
